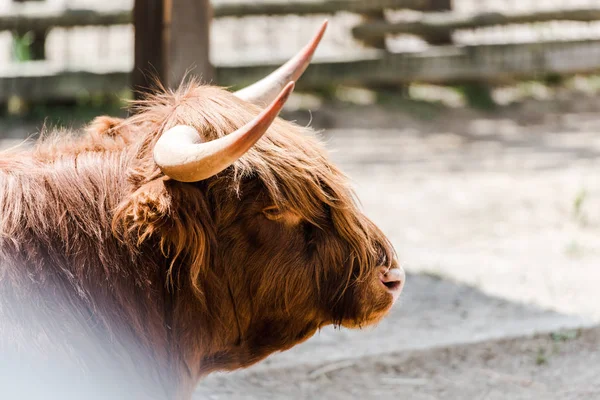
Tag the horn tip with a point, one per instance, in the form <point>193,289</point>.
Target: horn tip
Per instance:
<point>321,31</point>
<point>287,91</point>
<point>283,96</point>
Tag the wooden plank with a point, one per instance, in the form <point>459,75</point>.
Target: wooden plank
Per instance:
<point>432,25</point>
<point>439,5</point>
<point>43,18</point>
<point>282,7</point>
<point>443,65</point>
<point>187,40</point>
<point>62,86</point>
<point>378,17</point>
<point>149,47</point>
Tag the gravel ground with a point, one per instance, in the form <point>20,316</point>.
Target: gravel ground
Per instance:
<point>560,367</point>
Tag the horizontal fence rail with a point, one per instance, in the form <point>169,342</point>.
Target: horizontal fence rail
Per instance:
<point>489,63</point>
<point>485,63</point>
<point>440,24</point>
<point>45,19</point>
<point>316,7</point>
<point>65,85</point>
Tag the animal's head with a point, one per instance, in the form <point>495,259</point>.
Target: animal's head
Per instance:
<point>256,221</point>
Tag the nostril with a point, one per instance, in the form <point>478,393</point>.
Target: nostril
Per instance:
<point>395,285</point>
<point>392,278</point>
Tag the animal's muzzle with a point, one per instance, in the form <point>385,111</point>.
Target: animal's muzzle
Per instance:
<point>393,279</point>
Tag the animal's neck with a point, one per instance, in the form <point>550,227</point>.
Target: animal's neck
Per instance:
<point>67,285</point>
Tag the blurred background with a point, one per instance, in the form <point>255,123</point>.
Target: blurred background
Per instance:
<point>471,131</point>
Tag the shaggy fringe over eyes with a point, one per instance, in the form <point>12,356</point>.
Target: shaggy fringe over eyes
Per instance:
<point>289,161</point>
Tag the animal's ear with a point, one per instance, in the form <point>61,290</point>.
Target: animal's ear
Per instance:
<point>171,214</point>
<point>144,213</point>
<point>107,132</point>
<point>106,126</point>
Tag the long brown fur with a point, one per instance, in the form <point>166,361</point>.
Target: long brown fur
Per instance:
<point>147,284</point>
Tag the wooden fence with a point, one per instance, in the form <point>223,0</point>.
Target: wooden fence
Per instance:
<point>440,62</point>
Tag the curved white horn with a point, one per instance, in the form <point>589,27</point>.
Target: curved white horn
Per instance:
<point>265,90</point>
<point>182,156</point>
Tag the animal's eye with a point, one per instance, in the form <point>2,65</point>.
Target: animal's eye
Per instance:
<point>273,213</point>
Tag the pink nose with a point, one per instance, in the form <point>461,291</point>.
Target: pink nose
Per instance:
<point>393,279</point>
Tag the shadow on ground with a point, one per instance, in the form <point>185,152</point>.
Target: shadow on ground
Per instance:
<point>415,353</point>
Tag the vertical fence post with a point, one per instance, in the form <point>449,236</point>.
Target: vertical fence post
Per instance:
<point>378,15</point>
<point>187,24</point>
<point>171,38</point>
<point>149,45</point>
<point>382,89</point>
<point>477,94</point>
<point>439,6</point>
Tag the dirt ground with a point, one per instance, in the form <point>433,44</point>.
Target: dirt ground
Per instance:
<point>438,322</point>
<point>507,203</point>
<point>496,216</point>
<point>560,367</point>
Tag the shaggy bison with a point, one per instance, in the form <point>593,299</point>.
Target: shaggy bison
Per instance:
<point>200,234</point>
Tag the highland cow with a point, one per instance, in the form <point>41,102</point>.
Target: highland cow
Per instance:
<point>202,233</point>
